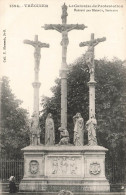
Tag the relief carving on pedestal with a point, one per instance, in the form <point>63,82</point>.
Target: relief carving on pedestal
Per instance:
<point>73,166</point>
<point>95,168</point>
<point>34,166</point>
<point>64,166</point>
<point>55,166</point>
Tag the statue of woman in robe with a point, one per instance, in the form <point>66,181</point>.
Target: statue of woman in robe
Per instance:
<point>91,128</point>
<point>49,131</point>
<point>78,130</point>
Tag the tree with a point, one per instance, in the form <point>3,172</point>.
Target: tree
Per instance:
<point>110,115</point>
<point>111,87</point>
<point>14,123</point>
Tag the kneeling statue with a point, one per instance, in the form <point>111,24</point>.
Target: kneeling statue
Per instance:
<point>64,135</point>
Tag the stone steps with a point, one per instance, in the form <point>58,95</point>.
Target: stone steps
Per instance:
<point>5,187</point>
<point>115,191</point>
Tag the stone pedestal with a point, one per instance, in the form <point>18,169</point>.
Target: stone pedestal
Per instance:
<point>54,168</point>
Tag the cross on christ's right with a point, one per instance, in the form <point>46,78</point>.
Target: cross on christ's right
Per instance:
<point>35,128</point>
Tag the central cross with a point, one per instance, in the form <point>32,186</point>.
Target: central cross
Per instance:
<point>64,28</point>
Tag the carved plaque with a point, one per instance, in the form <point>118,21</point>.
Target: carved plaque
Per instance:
<point>95,168</point>
<point>64,166</point>
<point>34,166</point>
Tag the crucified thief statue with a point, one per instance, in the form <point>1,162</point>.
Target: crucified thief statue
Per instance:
<point>35,128</point>
<point>89,57</point>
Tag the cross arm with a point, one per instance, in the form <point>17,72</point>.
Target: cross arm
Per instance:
<point>70,27</point>
<point>42,44</point>
<point>92,42</point>
<point>64,27</point>
<point>82,44</point>
<point>29,42</point>
<point>100,39</point>
<point>36,43</point>
<point>57,27</point>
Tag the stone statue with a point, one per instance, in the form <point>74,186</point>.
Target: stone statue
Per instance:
<point>91,128</point>
<point>89,55</point>
<point>64,14</point>
<point>35,130</point>
<point>37,45</point>
<point>89,58</point>
<point>78,130</point>
<point>64,135</point>
<point>49,131</point>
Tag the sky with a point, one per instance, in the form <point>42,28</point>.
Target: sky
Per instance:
<point>22,22</point>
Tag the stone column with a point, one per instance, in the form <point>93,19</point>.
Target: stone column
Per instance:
<point>92,84</point>
<point>91,98</point>
<point>36,86</point>
<point>63,74</point>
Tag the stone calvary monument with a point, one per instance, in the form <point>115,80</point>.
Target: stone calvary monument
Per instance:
<point>75,167</point>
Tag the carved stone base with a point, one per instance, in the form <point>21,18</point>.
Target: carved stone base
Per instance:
<point>33,185</point>
<point>55,168</point>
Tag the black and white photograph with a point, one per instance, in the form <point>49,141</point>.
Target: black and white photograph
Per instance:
<point>63,97</point>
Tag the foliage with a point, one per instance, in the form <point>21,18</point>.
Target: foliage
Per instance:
<point>14,123</point>
<point>110,108</point>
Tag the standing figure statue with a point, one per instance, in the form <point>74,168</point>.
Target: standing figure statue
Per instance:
<point>78,130</point>
<point>35,130</point>
<point>49,131</point>
<point>91,128</point>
